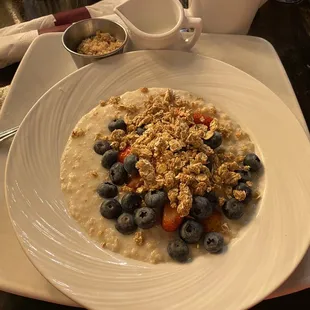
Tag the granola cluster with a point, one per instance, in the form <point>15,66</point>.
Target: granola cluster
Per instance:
<point>99,44</point>
<point>172,151</point>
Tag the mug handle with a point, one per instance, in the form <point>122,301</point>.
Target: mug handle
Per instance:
<point>196,23</point>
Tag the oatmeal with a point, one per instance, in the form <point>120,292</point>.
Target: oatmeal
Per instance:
<point>99,44</point>
<point>158,174</point>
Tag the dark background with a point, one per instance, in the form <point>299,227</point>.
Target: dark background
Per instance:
<point>287,28</point>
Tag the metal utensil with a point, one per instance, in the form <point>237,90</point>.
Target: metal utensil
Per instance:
<point>81,30</point>
<point>8,133</point>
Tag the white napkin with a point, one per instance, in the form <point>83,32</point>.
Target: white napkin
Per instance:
<point>15,40</point>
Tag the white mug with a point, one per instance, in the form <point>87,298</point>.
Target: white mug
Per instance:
<point>225,16</point>
<point>156,24</point>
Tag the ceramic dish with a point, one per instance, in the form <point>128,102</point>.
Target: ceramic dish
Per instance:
<point>267,250</point>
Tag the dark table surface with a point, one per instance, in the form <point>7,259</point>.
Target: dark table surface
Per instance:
<point>287,27</point>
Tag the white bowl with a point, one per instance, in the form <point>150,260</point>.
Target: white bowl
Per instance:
<point>257,262</point>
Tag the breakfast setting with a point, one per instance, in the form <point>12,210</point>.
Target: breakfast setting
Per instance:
<point>154,155</point>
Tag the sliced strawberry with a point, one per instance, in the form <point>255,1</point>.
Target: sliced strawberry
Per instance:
<point>123,154</point>
<point>135,182</point>
<point>213,223</point>
<point>199,118</point>
<point>171,219</point>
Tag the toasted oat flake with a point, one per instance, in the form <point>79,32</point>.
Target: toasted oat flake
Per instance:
<point>222,201</point>
<point>185,200</point>
<point>249,183</point>
<point>146,170</point>
<point>209,135</point>
<point>214,124</point>
<point>257,194</point>
<point>239,195</point>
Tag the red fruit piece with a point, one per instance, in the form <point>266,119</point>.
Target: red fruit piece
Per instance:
<point>135,182</point>
<point>123,154</point>
<point>171,219</point>
<point>213,223</point>
<point>199,118</point>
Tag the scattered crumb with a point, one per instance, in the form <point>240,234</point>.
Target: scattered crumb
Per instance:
<point>139,238</point>
<point>94,174</point>
<point>144,90</point>
<point>78,133</point>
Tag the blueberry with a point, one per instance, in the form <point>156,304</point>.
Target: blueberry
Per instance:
<point>233,209</point>
<point>253,161</point>
<point>156,199</point>
<point>140,131</point>
<point>247,189</point>
<point>245,175</point>
<point>125,224</point>
<point>111,209</point>
<point>145,217</point>
<point>117,124</point>
<point>212,198</point>
<point>130,164</point>
<point>131,202</point>
<point>213,242</point>
<point>215,141</point>
<point>101,146</point>
<point>209,166</point>
<point>191,231</point>
<point>201,208</point>
<point>109,158</point>
<point>107,190</point>
<point>118,174</point>
<point>178,250</point>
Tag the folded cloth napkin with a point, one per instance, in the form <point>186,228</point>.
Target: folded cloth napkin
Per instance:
<point>15,39</point>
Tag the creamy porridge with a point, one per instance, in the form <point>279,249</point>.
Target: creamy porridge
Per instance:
<point>158,174</point>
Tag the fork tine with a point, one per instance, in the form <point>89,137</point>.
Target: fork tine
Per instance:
<point>8,133</point>
<point>8,130</point>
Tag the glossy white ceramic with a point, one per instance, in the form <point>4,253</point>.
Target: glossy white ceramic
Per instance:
<point>158,27</point>
<point>225,16</point>
<point>268,249</point>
